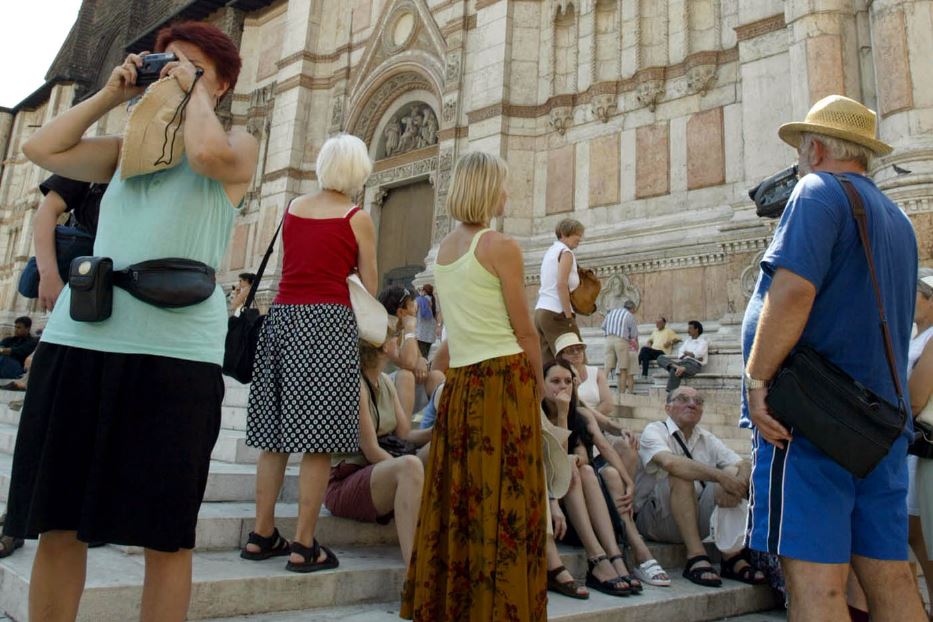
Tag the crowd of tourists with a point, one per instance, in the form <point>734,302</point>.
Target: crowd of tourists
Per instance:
<point>475,423</point>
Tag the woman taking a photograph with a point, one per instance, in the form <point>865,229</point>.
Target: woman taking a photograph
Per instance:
<point>305,394</point>
<point>554,314</point>
<point>372,485</point>
<point>482,510</point>
<point>121,414</point>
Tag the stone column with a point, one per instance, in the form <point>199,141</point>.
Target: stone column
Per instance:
<point>901,51</point>
<point>824,51</point>
<point>288,128</point>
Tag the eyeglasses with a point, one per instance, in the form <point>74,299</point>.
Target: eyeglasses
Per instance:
<point>686,399</point>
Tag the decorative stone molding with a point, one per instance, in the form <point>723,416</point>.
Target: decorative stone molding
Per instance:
<point>603,106</point>
<point>336,115</point>
<point>413,126</point>
<point>452,69</point>
<point>700,79</point>
<point>364,123</point>
<point>760,27</point>
<point>561,119</point>
<point>450,111</point>
<point>650,87</point>
<point>403,172</point>
<point>616,290</point>
<point>380,196</point>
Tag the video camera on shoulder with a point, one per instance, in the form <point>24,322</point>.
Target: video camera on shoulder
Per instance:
<point>152,67</point>
<point>771,195</point>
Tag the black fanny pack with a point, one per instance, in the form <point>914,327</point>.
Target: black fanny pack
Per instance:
<point>852,425</point>
<point>168,283</point>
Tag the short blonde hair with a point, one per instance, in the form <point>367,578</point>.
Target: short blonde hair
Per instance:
<point>343,164</point>
<point>568,227</point>
<point>477,184</point>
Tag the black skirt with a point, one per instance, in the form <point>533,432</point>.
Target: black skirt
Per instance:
<point>114,446</point>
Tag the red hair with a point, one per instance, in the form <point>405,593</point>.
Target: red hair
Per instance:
<point>211,40</point>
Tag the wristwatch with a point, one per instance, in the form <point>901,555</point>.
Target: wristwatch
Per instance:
<point>754,383</point>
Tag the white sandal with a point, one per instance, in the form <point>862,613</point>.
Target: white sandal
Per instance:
<point>651,572</point>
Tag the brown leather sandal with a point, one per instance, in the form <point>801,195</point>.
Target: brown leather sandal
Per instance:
<point>568,588</point>
<point>310,555</point>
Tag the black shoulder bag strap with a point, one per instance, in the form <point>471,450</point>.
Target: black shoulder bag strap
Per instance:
<point>687,453</point>
<point>861,221</point>
<point>265,260</point>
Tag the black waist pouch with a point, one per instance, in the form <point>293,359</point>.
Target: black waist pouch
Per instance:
<point>91,282</point>
<point>168,283</point>
<point>844,419</point>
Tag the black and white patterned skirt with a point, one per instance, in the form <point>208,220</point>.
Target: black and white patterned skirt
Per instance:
<point>305,394</point>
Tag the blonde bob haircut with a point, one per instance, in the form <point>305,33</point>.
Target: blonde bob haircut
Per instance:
<point>343,164</point>
<point>476,187</point>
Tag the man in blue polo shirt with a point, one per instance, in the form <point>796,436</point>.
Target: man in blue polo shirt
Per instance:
<point>815,289</point>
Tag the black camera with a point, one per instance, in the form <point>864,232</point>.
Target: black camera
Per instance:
<point>152,67</point>
<point>771,195</point>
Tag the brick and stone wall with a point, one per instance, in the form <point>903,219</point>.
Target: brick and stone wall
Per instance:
<point>646,120</point>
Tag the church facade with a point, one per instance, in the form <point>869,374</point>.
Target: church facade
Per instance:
<point>646,120</point>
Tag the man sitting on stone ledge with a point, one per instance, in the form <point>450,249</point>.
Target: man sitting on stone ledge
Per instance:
<point>692,485</point>
<point>690,358</point>
<point>660,343</point>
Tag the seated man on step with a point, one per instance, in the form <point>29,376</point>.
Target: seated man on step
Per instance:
<point>690,358</point>
<point>692,485</point>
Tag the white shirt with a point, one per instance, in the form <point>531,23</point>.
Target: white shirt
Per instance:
<point>658,437</point>
<point>699,347</point>
<point>548,297</point>
<point>588,392</point>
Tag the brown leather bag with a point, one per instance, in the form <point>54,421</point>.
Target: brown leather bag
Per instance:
<point>583,298</point>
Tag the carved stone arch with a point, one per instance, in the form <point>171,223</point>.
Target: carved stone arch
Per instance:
<point>561,7</point>
<point>617,288</point>
<point>368,110</point>
<point>406,36</point>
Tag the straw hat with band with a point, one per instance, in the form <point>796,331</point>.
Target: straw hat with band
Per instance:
<point>566,340</point>
<point>838,117</point>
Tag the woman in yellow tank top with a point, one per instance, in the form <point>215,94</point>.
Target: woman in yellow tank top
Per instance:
<point>479,552</point>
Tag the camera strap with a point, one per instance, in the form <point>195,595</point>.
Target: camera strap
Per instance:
<point>180,115</point>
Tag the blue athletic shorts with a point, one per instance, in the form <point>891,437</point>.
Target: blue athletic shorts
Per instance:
<point>805,506</point>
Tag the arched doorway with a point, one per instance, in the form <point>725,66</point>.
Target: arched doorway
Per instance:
<point>405,224</point>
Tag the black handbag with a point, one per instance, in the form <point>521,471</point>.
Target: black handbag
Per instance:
<point>243,329</point>
<point>91,283</point>
<point>70,242</point>
<point>848,422</point>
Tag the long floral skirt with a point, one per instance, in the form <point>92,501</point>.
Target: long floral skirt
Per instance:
<point>479,552</point>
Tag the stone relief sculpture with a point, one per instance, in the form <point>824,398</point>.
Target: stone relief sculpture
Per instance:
<point>415,126</point>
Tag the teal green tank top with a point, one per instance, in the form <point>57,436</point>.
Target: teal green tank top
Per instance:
<point>171,213</point>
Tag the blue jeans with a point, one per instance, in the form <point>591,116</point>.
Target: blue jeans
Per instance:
<point>10,367</point>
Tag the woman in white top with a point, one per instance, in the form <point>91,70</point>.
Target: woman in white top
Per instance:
<point>593,389</point>
<point>554,314</point>
<point>920,388</point>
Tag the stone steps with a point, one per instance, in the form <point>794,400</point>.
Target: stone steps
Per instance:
<point>224,586</point>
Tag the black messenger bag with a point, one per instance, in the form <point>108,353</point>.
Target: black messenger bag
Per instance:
<point>848,422</point>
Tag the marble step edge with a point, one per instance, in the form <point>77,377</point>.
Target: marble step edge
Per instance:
<point>225,586</point>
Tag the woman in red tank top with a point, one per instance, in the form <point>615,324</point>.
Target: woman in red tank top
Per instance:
<point>305,392</point>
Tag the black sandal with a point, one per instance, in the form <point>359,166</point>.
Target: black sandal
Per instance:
<point>633,582</point>
<point>568,588</point>
<point>269,546</point>
<point>746,574</point>
<point>612,586</point>
<point>9,545</point>
<point>695,575</point>
<point>310,555</point>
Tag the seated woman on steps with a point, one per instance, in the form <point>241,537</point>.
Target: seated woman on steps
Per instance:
<point>584,502</point>
<point>372,485</point>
